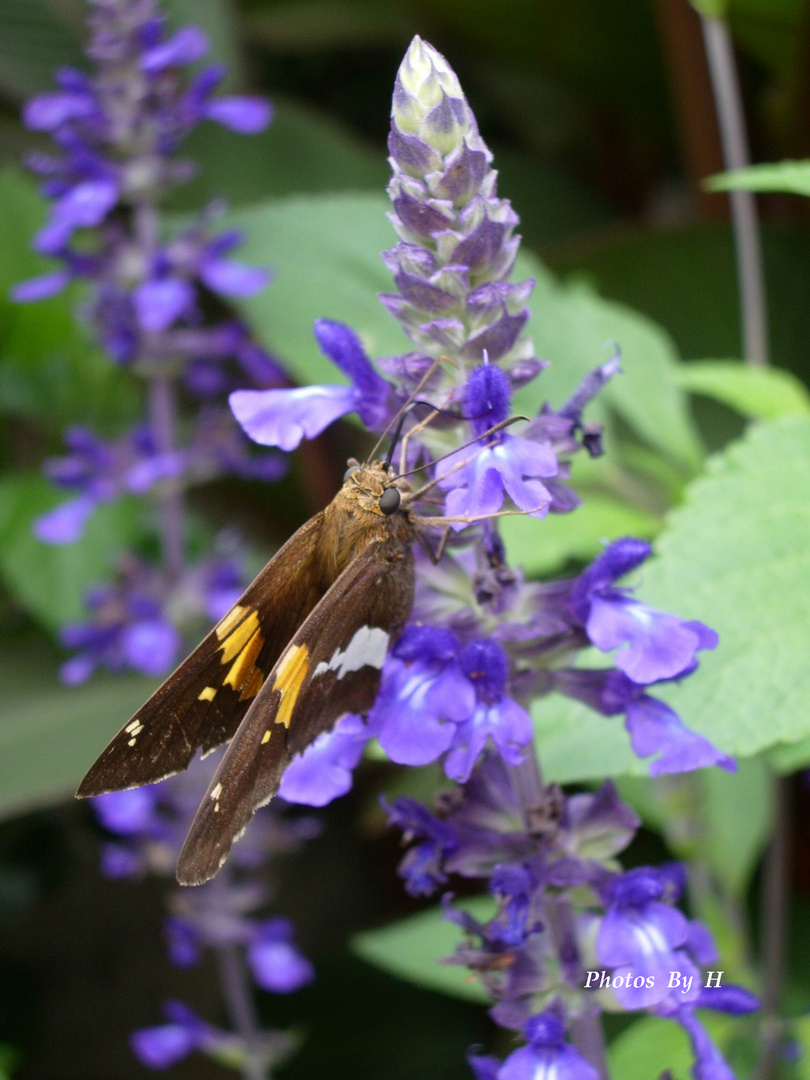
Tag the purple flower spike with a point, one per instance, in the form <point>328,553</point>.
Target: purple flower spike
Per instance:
<point>65,523</point>
<point>547,1055</point>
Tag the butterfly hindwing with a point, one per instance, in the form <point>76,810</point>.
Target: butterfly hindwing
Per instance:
<point>203,702</point>
<point>331,667</point>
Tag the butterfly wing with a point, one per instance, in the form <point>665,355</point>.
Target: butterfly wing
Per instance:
<point>331,667</point>
<point>203,702</point>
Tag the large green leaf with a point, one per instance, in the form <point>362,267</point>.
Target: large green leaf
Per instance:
<point>543,546</point>
<point>653,1045</point>
<point>50,734</point>
<point>412,947</point>
<point>302,152</point>
<point>762,393</point>
<point>721,818</point>
<point>737,555</point>
<point>790,176</point>
<point>325,252</point>
<point>49,580</point>
<point>575,328</point>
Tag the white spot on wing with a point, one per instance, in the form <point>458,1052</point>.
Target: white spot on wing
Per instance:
<point>366,649</point>
<point>216,792</point>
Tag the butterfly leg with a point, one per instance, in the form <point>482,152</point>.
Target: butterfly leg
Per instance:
<point>434,556</point>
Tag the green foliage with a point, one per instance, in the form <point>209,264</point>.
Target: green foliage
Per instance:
<point>412,947</point>
<point>722,819</point>
<point>49,733</point>
<point>789,176</point>
<point>303,151</point>
<point>50,373</point>
<point>653,1045</point>
<point>737,556</point>
<point>542,547</point>
<point>757,392</point>
<point>49,580</point>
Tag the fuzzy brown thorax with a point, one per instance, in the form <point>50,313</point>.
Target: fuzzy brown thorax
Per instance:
<point>354,519</point>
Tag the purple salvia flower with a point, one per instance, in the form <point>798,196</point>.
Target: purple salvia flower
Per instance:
<point>284,417</point>
<point>546,1055</point>
<point>457,246</point>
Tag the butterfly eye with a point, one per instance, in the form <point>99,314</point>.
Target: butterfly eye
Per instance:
<point>351,469</point>
<point>390,500</point>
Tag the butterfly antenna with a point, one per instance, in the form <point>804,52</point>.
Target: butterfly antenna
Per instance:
<point>485,435</point>
<point>399,416</point>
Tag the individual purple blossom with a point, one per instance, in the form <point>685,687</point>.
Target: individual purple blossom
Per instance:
<point>101,472</point>
<point>651,644</point>
<point>284,417</point>
<point>643,938</point>
<point>477,479</point>
<point>547,1054</point>
<point>274,959</point>
<point>128,630</point>
<point>654,727</point>
<point>324,771</point>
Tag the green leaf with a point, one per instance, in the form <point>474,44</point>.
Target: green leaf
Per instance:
<point>789,176</point>
<point>303,151</point>
<point>325,252</point>
<point>49,580</point>
<point>723,819</point>
<point>49,370</point>
<point>575,329</point>
<point>411,948</point>
<point>543,546</point>
<point>576,744</point>
<point>652,1045</point>
<point>762,393</point>
<point>737,556</point>
<point>33,42</point>
<point>711,9</point>
<point>51,734</point>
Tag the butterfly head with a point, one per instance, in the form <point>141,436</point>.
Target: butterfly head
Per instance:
<point>375,487</point>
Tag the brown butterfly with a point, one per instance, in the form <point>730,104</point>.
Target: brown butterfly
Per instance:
<point>305,644</point>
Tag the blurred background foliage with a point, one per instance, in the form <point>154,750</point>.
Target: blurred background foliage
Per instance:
<point>600,117</point>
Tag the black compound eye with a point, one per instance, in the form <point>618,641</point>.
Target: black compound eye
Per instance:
<point>351,469</point>
<point>390,500</point>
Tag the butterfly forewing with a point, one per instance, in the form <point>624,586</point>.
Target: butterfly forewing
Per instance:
<point>330,667</point>
<point>203,702</point>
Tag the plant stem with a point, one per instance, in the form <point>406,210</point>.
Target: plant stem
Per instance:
<point>163,421</point>
<point>775,913</point>
<point>736,155</point>
<point>239,1003</point>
